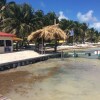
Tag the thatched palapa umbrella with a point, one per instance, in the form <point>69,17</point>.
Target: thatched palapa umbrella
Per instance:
<point>52,32</point>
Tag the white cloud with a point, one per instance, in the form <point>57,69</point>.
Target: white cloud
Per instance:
<point>42,4</point>
<point>62,16</point>
<point>87,17</point>
<point>96,25</point>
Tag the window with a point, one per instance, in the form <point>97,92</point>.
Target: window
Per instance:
<point>8,43</point>
<point>1,43</point>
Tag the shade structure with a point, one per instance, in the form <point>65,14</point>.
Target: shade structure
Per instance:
<point>48,33</point>
<point>3,34</point>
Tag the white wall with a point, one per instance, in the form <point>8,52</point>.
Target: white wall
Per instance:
<point>6,38</point>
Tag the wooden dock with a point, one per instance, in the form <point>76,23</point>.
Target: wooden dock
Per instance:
<point>23,62</point>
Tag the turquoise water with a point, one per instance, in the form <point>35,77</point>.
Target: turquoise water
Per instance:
<point>87,53</point>
<point>74,79</point>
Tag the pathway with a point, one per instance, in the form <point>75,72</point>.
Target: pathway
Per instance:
<point>16,56</point>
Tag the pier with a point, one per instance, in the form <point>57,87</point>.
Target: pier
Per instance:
<point>13,60</point>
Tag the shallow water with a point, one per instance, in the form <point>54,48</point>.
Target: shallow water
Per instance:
<point>90,53</point>
<point>74,79</point>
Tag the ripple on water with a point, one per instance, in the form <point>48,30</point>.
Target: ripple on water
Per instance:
<point>71,79</point>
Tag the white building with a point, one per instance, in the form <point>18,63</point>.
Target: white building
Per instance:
<point>6,42</point>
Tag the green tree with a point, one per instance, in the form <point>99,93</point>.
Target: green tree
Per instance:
<point>22,19</point>
<point>49,19</point>
<point>97,36</point>
<point>38,19</point>
<point>17,19</point>
<point>2,7</point>
<point>77,32</point>
<point>2,4</point>
<point>92,35</point>
<point>83,29</point>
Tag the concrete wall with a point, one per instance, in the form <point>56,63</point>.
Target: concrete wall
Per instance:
<point>2,49</point>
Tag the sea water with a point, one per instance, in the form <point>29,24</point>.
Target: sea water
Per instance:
<point>74,79</point>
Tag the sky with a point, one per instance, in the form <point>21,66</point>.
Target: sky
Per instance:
<point>78,10</point>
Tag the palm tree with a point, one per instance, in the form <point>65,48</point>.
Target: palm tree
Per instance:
<point>17,19</point>
<point>83,29</point>
<point>96,36</point>
<point>49,19</point>
<point>2,4</point>
<point>22,20</point>
<point>38,19</point>
<point>77,31</point>
<point>80,30</point>
<point>89,34</point>
<point>67,26</point>
<point>2,7</point>
<point>92,35</point>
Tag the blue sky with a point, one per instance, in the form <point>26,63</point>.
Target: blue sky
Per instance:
<point>80,10</point>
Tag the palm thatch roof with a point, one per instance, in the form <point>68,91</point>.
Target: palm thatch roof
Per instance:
<point>48,33</point>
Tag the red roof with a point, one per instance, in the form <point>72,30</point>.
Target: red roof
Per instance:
<point>6,34</point>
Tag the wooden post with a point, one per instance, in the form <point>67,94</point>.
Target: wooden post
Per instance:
<point>62,55</point>
<point>43,50</point>
<point>55,45</point>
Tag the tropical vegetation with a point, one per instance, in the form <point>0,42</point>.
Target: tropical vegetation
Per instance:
<point>22,19</point>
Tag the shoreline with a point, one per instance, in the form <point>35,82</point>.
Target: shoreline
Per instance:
<point>28,54</point>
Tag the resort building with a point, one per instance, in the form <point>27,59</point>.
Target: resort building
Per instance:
<point>6,42</point>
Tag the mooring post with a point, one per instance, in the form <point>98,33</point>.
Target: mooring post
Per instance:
<point>75,54</point>
<point>98,56</point>
<point>62,56</point>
